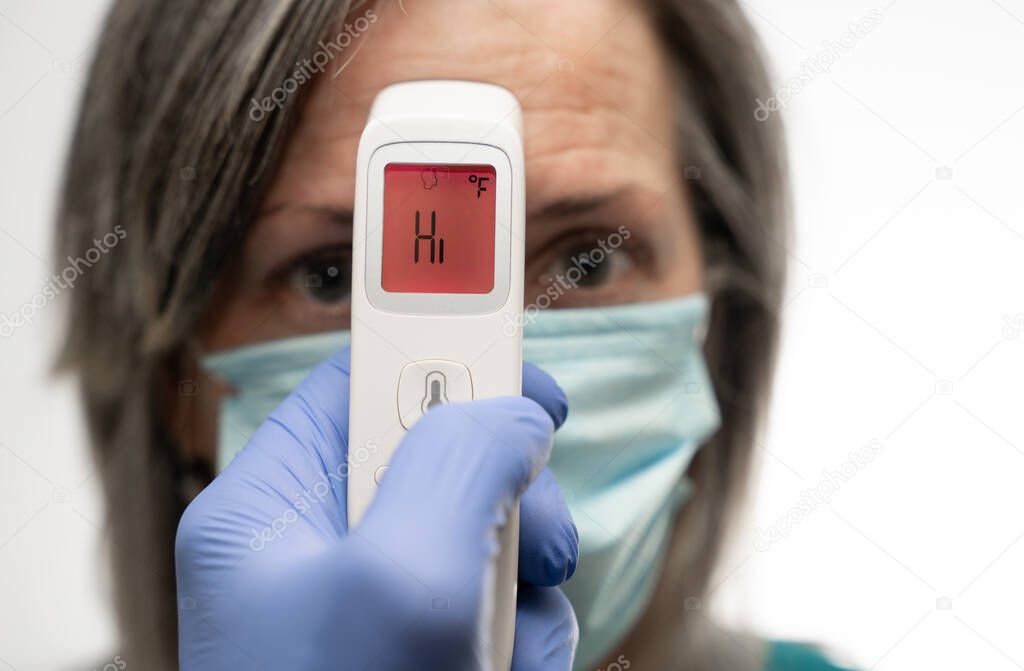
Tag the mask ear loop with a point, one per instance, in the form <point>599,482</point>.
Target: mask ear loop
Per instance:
<point>190,473</point>
<point>700,331</point>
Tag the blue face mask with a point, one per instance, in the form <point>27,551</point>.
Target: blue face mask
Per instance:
<point>640,404</point>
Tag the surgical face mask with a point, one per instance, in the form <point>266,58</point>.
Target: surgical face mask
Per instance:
<point>640,404</point>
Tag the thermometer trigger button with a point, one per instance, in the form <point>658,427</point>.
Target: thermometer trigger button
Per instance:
<point>423,385</point>
<point>436,392</point>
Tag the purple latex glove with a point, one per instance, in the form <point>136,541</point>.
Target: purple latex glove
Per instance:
<point>271,577</point>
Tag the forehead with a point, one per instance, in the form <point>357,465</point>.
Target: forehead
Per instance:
<point>589,74</point>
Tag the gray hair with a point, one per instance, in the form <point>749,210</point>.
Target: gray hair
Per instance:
<point>165,147</point>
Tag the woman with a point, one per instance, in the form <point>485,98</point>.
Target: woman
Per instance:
<point>221,136</point>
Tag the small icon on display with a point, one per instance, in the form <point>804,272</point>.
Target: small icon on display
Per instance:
<point>481,183</point>
<point>433,176</point>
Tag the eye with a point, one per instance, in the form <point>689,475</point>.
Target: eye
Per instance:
<point>324,277</point>
<point>588,264</point>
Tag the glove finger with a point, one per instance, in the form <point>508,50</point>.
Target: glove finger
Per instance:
<point>450,487</point>
<point>549,543</point>
<point>543,389</point>
<point>460,468</point>
<point>315,414</point>
<point>546,630</point>
<point>295,462</point>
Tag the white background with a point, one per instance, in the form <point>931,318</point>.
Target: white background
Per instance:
<point>905,273</point>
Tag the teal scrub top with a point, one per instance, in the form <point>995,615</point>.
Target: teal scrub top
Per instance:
<point>786,656</point>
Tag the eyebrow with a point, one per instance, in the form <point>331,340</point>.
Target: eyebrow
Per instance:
<point>336,215</point>
<point>577,206</point>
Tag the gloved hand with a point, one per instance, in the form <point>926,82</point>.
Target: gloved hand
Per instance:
<point>271,577</point>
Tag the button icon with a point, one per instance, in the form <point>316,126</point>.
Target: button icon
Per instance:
<point>426,384</point>
<point>435,395</point>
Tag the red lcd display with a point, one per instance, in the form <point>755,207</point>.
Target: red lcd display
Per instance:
<point>438,228</point>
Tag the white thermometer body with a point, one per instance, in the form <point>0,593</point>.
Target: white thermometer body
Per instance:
<point>437,274</point>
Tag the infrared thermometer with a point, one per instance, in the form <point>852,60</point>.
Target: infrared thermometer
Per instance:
<point>437,272</point>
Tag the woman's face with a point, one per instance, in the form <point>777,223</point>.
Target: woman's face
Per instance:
<point>596,94</point>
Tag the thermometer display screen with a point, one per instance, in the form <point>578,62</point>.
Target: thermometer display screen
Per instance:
<point>438,228</point>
